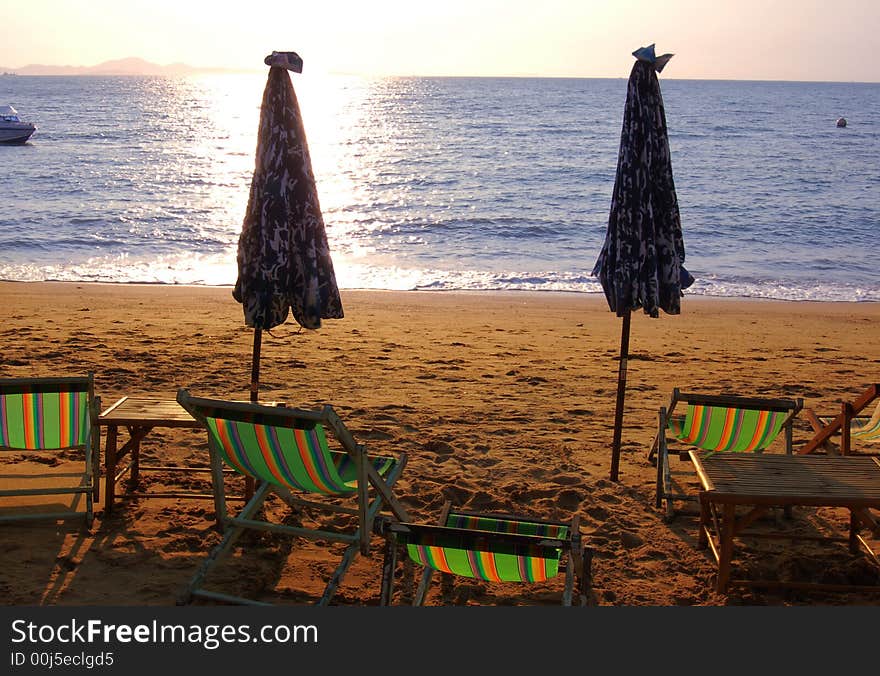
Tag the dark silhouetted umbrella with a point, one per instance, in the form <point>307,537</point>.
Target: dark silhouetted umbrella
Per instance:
<point>284,263</point>
<point>641,262</point>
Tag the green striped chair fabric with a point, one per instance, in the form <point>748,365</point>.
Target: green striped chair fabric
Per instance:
<point>44,417</point>
<point>716,423</point>
<point>295,457</point>
<point>863,428</point>
<point>725,428</point>
<point>466,547</point>
<point>866,430</point>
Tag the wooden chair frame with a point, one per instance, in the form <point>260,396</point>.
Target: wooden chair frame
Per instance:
<point>660,451</point>
<point>372,494</point>
<point>575,559</point>
<point>85,483</point>
<point>841,424</point>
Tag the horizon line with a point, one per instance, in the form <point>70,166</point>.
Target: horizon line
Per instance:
<point>195,70</point>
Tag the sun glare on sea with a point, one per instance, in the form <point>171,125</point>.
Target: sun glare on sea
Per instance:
<point>345,132</point>
<point>333,109</point>
<point>348,130</point>
<point>338,120</point>
<point>231,112</point>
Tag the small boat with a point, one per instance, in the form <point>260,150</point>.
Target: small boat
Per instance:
<point>12,128</point>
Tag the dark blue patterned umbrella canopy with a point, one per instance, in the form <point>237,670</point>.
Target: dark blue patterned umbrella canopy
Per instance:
<point>284,260</point>
<point>641,262</point>
<point>284,263</point>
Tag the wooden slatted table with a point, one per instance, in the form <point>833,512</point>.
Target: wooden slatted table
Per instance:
<point>139,416</point>
<point>764,480</point>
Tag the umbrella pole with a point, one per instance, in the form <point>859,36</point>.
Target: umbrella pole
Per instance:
<point>255,365</point>
<point>249,483</point>
<point>621,392</point>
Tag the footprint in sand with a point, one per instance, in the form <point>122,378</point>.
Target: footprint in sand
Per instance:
<point>376,435</point>
<point>569,501</point>
<point>385,417</point>
<point>486,462</point>
<point>396,407</point>
<point>597,513</point>
<point>579,411</point>
<point>482,500</point>
<point>567,480</point>
<point>439,447</point>
<point>457,494</point>
<point>654,555</point>
<point>630,540</point>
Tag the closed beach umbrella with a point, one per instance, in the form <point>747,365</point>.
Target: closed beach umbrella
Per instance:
<point>641,262</point>
<point>284,263</point>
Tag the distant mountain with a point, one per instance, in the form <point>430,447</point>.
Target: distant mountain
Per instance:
<point>129,66</point>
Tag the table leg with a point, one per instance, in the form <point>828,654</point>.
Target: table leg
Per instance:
<point>137,434</point>
<point>703,536</point>
<point>96,467</point>
<point>110,468</point>
<point>726,547</point>
<point>853,533</point>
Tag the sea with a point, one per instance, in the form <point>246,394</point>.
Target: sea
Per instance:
<point>444,183</point>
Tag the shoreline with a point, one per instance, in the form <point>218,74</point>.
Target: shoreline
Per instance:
<point>502,401</point>
<point>687,298</point>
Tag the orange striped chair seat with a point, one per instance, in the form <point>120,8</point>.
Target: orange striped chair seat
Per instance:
<point>468,546</point>
<point>863,428</point>
<point>725,428</point>
<point>490,547</point>
<point>43,415</point>
<point>295,456</point>
<point>716,424</point>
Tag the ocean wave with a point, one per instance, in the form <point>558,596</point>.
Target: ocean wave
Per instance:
<point>220,270</point>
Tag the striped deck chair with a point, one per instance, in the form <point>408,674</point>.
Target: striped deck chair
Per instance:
<point>57,416</point>
<point>495,548</point>
<point>716,424</point>
<point>850,424</point>
<point>866,428</point>
<point>288,452</point>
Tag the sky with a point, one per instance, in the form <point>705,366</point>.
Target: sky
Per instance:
<point>828,40</point>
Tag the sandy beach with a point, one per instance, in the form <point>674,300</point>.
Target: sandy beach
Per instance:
<point>502,401</point>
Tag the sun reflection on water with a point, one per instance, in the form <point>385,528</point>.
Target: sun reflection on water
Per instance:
<point>334,112</point>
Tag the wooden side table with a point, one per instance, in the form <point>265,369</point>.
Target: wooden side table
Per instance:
<point>139,416</point>
<point>758,481</point>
